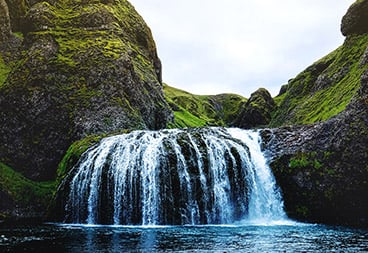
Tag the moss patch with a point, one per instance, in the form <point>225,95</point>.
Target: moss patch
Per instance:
<point>324,89</point>
<point>73,154</point>
<point>23,191</point>
<point>4,71</point>
<point>192,110</point>
<point>303,160</point>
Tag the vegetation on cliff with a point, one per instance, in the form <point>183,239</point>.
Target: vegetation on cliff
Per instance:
<point>82,70</point>
<point>202,110</point>
<point>93,64</point>
<point>21,196</point>
<point>77,68</point>
<point>325,88</point>
<point>322,167</point>
<point>257,111</point>
<point>4,71</point>
<point>219,110</point>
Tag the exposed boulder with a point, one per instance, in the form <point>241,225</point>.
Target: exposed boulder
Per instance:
<point>355,20</point>
<point>86,68</point>
<point>256,111</point>
<point>5,30</point>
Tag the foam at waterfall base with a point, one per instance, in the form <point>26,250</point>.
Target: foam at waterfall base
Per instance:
<point>174,177</point>
<point>268,222</point>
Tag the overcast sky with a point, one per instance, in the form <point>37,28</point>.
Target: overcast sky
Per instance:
<point>237,46</point>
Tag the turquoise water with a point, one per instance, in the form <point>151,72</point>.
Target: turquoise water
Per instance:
<point>293,237</point>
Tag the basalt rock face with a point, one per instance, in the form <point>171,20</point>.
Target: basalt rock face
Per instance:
<point>355,20</point>
<point>17,11</point>
<point>322,168</point>
<point>84,68</point>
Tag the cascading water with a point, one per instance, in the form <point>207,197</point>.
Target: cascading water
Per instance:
<point>167,177</point>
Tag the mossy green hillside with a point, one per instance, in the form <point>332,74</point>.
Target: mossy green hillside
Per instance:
<point>23,192</point>
<point>93,64</point>
<point>96,29</point>
<point>192,110</point>
<point>73,154</point>
<point>325,88</point>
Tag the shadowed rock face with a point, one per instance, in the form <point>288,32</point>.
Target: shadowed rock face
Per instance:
<point>85,68</point>
<point>5,29</point>
<point>322,167</point>
<point>355,20</point>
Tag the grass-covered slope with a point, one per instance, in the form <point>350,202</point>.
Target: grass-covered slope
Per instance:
<point>202,110</point>
<point>25,195</point>
<point>325,88</point>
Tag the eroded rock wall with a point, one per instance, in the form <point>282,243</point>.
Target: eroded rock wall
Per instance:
<point>84,68</point>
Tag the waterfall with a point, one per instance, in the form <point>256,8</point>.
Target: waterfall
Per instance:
<point>170,177</point>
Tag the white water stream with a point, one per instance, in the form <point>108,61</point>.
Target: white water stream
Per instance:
<point>167,177</point>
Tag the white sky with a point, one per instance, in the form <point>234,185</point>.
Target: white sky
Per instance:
<point>238,46</point>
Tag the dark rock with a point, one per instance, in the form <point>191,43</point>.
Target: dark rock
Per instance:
<point>355,20</point>
<point>17,11</point>
<point>322,167</point>
<point>283,89</point>
<point>84,69</point>
<point>257,111</point>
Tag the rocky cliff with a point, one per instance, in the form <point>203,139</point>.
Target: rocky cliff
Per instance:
<point>80,70</point>
<point>257,111</point>
<point>326,87</point>
<point>69,69</point>
<point>322,167</point>
<point>84,67</point>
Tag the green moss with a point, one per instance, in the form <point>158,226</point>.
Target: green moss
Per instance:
<point>4,71</point>
<point>309,99</point>
<point>19,35</point>
<point>115,34</point>
<point>305,160</point>
<point>186,119</point>
<point>192,110</point>
<point>24,191</point>
<point>73,154</point>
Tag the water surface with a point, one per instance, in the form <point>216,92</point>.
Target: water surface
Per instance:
<point>221,238</point>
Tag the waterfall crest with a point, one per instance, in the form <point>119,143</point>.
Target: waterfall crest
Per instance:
<point>172,177</point>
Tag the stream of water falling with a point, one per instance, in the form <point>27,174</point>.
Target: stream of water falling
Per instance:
<point>175,177</point>
<point>185,177</point>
